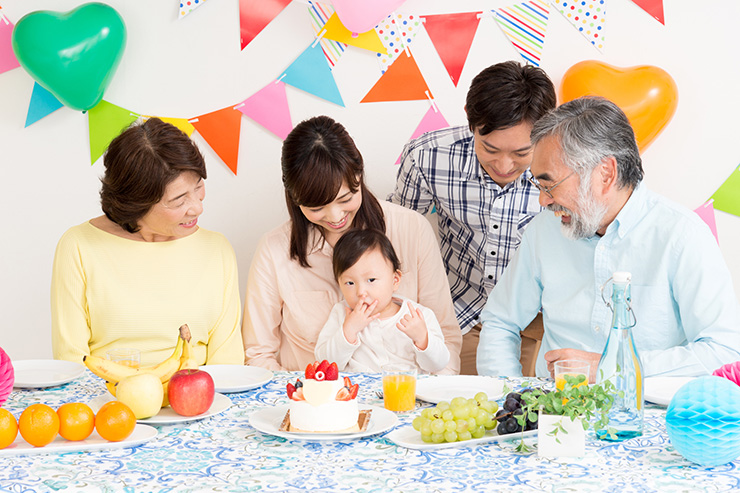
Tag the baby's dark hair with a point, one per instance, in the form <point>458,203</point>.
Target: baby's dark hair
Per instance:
<point>355,243</point>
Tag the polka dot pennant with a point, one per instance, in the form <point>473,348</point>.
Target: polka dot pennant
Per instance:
<point>588,16</point>
<point>187,6</point>
<point>396,32</point>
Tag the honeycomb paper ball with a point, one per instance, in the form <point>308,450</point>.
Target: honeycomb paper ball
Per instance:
<point>703,421</point>
<point>7,376</point>
<point>730,371</point>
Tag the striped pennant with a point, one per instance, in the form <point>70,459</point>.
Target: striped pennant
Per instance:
<point>525,25</point>
<point>320,13</point>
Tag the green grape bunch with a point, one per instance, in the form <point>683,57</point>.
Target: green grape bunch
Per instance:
<point>458,420</point>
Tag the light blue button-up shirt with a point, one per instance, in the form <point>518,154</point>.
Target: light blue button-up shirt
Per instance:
<point>688,318</point>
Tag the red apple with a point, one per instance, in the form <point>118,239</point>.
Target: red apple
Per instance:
<point>191,392</point>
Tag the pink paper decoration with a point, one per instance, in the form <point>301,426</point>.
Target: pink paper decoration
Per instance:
<point>7,376</point>
<point>269,108</point>
<point>730,371</point>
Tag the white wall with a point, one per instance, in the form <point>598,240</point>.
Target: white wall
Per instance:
<point>192,66</point>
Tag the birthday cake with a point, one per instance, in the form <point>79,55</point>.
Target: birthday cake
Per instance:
<point>322,402</point>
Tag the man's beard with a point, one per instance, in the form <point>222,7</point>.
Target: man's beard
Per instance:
<point>586,223</point>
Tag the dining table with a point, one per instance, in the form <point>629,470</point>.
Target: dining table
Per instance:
<point>225,452</point>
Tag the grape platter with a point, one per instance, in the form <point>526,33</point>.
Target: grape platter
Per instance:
<point>463,419</point>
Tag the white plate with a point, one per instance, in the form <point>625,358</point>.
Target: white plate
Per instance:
<point>445,388</point>
<point>408,437</point>
<point>660,390</point>
<point>141,434</point>
<point>40,373</point>
<point>167,415</point>
<point>237,378</point>
<point>268,421</point>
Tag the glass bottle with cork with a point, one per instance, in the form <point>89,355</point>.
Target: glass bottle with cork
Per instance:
<point>621,364</point>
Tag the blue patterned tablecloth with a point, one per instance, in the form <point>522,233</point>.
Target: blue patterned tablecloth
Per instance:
<point>224,453</point>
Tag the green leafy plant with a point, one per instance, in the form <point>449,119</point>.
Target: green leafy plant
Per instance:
<point>577,399</point>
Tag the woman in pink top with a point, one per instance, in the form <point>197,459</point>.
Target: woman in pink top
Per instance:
<point>291,288</point>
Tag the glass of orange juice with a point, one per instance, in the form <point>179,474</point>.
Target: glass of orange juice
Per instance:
<point>572,367</point>
<point>399,387</point>
<point>125,356</point>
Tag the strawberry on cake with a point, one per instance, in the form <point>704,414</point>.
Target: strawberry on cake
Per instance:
<point>323,403</point>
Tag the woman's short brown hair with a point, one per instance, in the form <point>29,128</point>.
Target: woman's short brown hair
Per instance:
<point>318,157</point>
<point>139,164</point>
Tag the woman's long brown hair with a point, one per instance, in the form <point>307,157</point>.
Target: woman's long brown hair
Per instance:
<point>318,157</point>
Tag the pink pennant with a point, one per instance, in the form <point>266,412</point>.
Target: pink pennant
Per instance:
<point>8,60</point>
<point>706,213</point>
<point>269,108</point>
<point>433,120</point>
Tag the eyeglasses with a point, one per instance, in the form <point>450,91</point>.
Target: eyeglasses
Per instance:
<point>548,190</point>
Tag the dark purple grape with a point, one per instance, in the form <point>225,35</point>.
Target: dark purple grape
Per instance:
<point>511,404</point>
<point>501,428</point>
<point>512,426</point>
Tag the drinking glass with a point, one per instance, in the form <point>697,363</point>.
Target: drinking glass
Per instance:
<point>125,356</point>
<point>399,387</point>
<point>572,367</point>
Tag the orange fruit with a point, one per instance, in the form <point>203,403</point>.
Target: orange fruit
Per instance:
<point>39,425</point>
<point>115,421</point>
<point>76,421</point>
<point>8,428</point>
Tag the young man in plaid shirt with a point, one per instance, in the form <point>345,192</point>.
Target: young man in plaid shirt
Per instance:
<point>475,176</point>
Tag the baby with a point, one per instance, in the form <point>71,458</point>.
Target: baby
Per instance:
<point>372,327</point>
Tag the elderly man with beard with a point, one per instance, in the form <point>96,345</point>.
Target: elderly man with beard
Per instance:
<point>601,219</point>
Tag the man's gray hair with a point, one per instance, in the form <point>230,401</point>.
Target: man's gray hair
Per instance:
<point>590,129</point>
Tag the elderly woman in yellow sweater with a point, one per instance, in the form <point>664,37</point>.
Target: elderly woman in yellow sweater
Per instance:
<point>133,276</point>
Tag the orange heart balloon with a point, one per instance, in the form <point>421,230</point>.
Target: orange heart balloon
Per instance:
<point>646,94</point>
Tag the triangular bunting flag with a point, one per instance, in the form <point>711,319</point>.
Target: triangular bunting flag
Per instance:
<point>652,7</point>
<point>255,15</point>
<point>269,108</point>
<point>433,120</point>
<point>525,25</point>
<point>320,14</point>
<point>311,73</point>
<point>589,17</point>
<point>369,41</point>
<point>42,103</point>
<point>452,35</point>
<point>181,123</point>
<point>401,82</point>
<point>187,6</point>
<point>221,129</point>
<point>727,196</point>
<point>8,60</point>
<point>706,213</point>
<point>105,121</point>
<point>396,32</point>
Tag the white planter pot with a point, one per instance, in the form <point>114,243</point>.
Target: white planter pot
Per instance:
<point>568,443</point>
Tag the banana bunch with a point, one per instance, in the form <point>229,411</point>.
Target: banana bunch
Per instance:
<point>112,372</point>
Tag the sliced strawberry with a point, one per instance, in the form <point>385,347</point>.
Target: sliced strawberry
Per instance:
<point>332,373</point>
<point>353,389</point>
<point>310,371</point>
<point>291,390</point>
<point>298,395</point>
<point>343,394</point>
<point>319,376</point>
<point>347,382</point>
<point>323,366</point>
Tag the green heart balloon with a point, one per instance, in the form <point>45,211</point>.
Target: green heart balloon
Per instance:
<point>72,54</point>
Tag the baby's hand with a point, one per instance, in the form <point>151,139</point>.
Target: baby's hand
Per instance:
<point>358,318</point>
<point>413,325</point>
